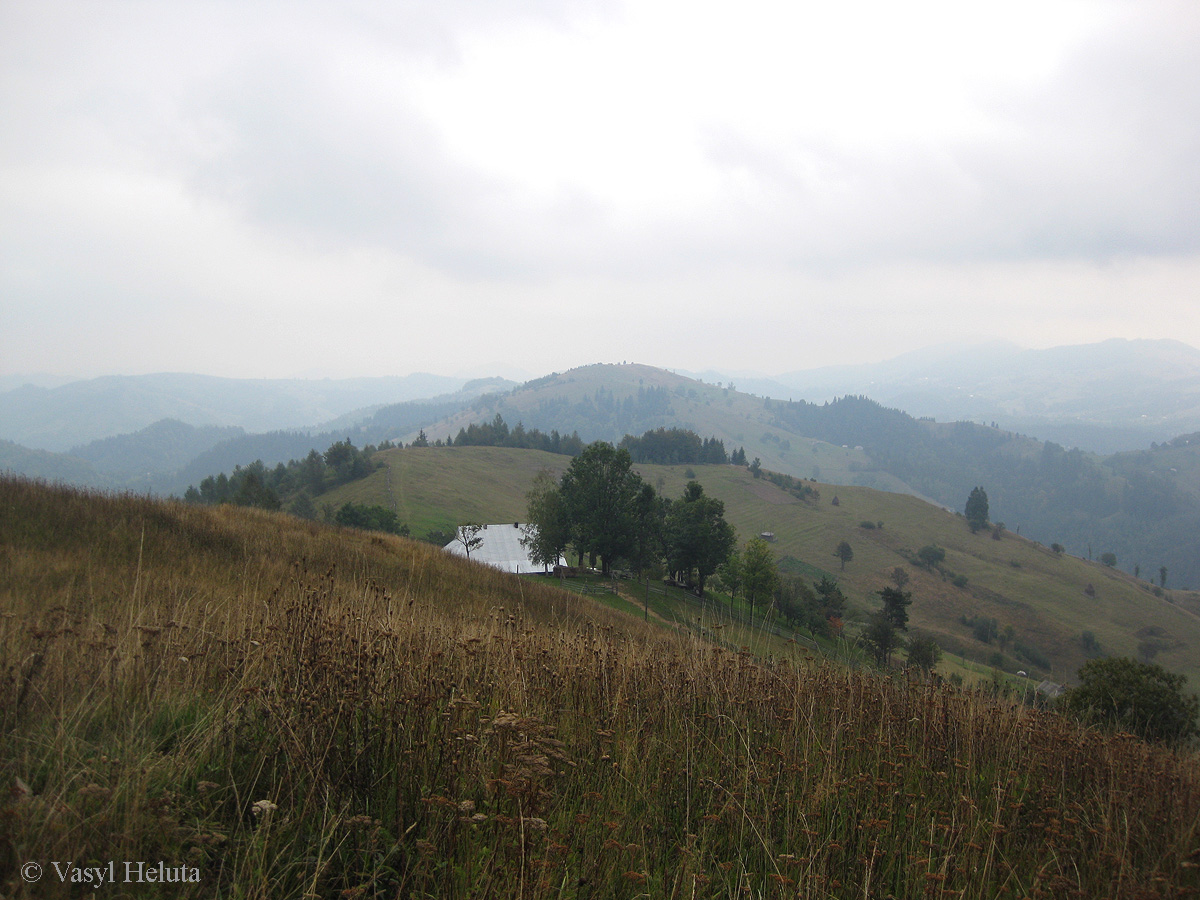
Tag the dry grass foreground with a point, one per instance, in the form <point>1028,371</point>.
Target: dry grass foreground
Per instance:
<point>298,711</point>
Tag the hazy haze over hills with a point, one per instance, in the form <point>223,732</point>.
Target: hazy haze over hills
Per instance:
<point>1106,397</point>
<point>82,411</point>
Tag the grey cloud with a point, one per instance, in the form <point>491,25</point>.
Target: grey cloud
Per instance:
<point>1100,162</point>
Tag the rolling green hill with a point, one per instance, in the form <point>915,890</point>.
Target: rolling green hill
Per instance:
<point>606,402</point>
<point>1043,596</point>
<point>1149,518</point>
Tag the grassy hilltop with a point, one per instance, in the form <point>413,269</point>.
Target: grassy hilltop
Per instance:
<point>1043,596</point>
<point>606,402</point>
<point>294,710</point>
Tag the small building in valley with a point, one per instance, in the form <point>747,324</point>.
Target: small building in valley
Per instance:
<point>500,547</point>
<point>1050,689</point>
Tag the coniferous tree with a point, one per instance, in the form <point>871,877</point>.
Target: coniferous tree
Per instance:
<point>880,637</point>
<point>977,509</point>
<point>895,606</point>
<point>833,601</point>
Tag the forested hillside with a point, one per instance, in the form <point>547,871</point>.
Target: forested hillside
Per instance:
<point>1127,505</point>
<point>1112,396</point>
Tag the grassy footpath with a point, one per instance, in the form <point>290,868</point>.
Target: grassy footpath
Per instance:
<point>297,711</point>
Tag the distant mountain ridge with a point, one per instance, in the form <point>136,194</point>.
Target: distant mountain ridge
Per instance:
<point>1106,397</point>
<point>77,413</point>
<point>168,455</point>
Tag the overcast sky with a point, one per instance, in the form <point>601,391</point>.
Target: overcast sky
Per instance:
<point>296,188</point>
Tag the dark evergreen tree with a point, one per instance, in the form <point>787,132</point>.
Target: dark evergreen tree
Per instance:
<point>895,606</point>
<point>977,509</point>
<point>880,637</point>
<point>833,601</point>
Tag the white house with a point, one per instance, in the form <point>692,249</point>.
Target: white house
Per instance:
<point>501,548</point>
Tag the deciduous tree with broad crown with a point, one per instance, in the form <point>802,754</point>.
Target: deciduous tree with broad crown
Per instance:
<point>599,491</point>
<point>547,531</point>
<point>760,578</point>
<point>696,535</point>
<point>1139,697</point>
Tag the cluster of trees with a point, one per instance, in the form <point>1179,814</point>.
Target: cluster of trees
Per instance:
<point>498,434</point>
<point>296,482</point>
<point>249,486</point>
<point>794,486</point>
<point>819,608</point>
<point>605,512</point>
<point>675,446</point>
<point>665,446</point>
<point>883,636</point>
<point>370,518</point>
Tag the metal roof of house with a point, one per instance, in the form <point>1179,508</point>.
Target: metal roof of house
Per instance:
<point>501,548</point>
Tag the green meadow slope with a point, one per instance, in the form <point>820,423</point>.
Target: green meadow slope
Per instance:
<point>1044,597</point>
